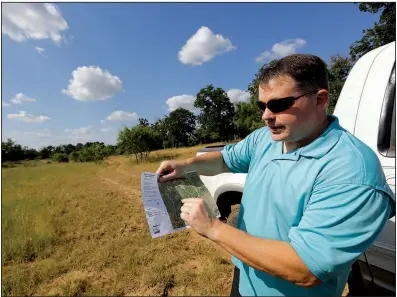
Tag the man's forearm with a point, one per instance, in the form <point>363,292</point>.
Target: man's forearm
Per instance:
<point>207,164</point>
<point>275,257</point>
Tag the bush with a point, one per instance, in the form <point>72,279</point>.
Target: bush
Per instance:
<point>74,156</point>
<point>93,153</point>
<point>60,157</point>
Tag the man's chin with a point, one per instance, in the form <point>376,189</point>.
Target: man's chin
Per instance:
<point>279,136</point>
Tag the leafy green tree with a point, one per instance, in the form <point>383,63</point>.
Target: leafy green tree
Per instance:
<point>79,146</point>
<point>383,31</point>
<point>143,122</point>
<point>247,118</point>
<point>45,152</point>
<point>139,141</point>
<point>248,115</point>
<point>180,126</point>
<point>160,126</point>
<point>74,156</point>
<point>60,157</point>
<point>110,150</point>
<point>338,71</point>
<point>11,151</point>
<point>217,115</point>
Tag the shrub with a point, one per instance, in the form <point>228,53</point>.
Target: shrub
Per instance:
<point>60,157</point>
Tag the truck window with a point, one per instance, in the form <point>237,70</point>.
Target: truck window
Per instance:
<point>387,122</point>
<point>392,150</point>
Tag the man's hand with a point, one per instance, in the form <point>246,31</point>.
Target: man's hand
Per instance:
<point>171,170</point>
<point>195,214</point>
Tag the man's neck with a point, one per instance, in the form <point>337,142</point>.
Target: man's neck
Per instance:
<point>290,146</point>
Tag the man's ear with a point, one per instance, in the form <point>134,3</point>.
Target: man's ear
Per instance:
<point>322,100</point>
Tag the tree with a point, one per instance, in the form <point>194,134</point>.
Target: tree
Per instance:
<point>337,74</point>
<point>60,157</point>
<point>248,115</point>
<point>247,118</point>
<point>11,151</point>
<point>383,31</point>
<point>139,141</point>
<point>160,127</point>
<point>74,156</point>
<point>143,122</point>
<point>217,115</point>
<point>180,125</point>
<point>45,152</point>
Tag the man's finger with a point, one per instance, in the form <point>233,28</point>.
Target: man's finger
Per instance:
<point>184,216</point>
<point>186,209</point>
<point>167,177</point>
<point>161,169</point>
<point>190,200</point>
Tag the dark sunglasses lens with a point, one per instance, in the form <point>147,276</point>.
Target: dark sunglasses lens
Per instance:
<point>280,105</point>
<point>261,105</point>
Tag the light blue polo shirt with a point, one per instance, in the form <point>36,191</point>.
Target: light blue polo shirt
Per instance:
<point>329,200</point>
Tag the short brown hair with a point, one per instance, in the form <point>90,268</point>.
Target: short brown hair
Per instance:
<point>310,72</point>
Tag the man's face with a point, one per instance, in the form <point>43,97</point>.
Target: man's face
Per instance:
<point>299,120</point>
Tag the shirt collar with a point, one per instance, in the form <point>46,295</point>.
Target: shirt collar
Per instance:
<point>325,142</point>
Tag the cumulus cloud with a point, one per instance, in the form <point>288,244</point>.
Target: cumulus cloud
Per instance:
<point>120,115</point>
<point>40,50</point>
<point>184,101</point>
<point>236,95</point>
<point>281,49</point>
<point>92,84</point>
<point>21,98</point>
<point>41,134</point>
<point>22,21</point>
<point>4,104</point>
<point>80,131</point>
<point>203,46</point>
<point>25,117</point>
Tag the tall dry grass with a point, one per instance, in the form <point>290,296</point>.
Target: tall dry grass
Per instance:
<point>80,229</point>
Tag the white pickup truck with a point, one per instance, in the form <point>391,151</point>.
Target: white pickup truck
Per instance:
<point>367,109</point>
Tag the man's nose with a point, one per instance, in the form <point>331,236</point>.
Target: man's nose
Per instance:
<point>267,115</point>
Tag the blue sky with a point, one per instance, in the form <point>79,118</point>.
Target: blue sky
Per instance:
<point>76,72</point>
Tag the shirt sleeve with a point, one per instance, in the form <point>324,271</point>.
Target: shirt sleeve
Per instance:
<point>339,223</point>
<point>237,156</point>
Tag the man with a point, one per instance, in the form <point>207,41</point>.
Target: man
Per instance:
<point>315,197</point>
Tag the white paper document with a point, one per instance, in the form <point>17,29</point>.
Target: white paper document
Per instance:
<point>162,201</point>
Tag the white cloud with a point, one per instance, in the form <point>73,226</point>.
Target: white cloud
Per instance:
<point>120,115</point>
<point>184,101</point>
<point>3,104</point>
<point>203,46</point>
<point>106,129</point>
<point>22,21</point>
<point>41,134</point>
<point>21,98</point>
<point>102,121</point>
<point>82,134</point>
<point>236,95</point>
<point>40,50</point>
<point>80,131</point>
<point>281,49</point>
<point>25,117</point>
<point>92,84</point>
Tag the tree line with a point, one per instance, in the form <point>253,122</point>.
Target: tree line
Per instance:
<point>218,119</point>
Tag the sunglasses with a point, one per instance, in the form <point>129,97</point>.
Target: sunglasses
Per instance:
<point>282,104</point>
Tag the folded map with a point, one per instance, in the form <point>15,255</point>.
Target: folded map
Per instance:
<point>162,201</point>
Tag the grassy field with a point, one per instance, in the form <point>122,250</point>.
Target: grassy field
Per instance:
<point>80,229</point>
